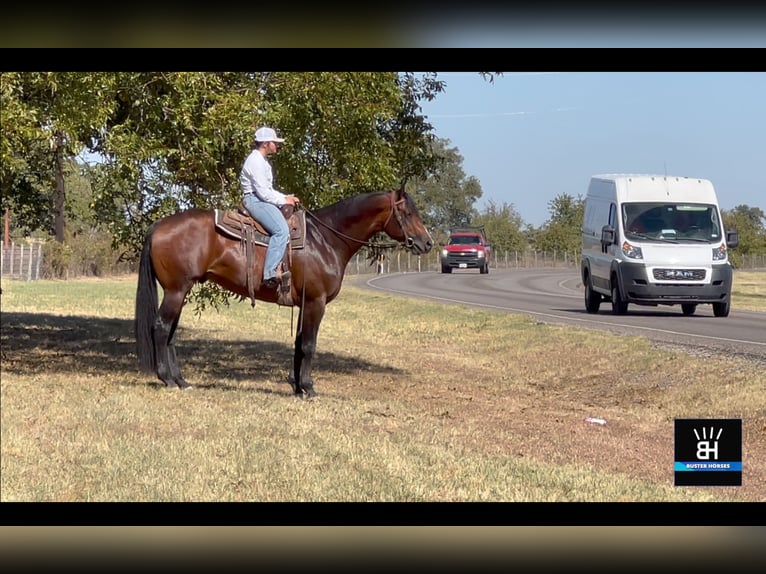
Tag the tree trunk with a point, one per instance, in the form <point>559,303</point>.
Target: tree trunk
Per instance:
<point>60,195</point>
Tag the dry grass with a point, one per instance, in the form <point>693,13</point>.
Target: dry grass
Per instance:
<point>749,290</point>
<point>418,402</point>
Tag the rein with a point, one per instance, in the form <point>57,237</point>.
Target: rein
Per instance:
<point>364,243</point>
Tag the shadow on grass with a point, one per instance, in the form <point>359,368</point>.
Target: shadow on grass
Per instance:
<point>34,343</point>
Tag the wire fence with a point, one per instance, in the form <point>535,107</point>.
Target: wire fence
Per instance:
<point>24,261</point>
<point>404,262</point>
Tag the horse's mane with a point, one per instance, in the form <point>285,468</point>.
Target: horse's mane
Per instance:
<point>347,204</point>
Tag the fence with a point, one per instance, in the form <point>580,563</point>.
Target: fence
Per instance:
<point>752,261</point>
<point>22,261</point>
<point>404,262</point>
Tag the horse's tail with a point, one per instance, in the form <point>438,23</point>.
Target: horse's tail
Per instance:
<point>146,307</point>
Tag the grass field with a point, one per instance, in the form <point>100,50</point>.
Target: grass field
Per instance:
<point>418,402</point>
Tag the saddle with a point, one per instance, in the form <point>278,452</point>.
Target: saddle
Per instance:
<point>239,224</point>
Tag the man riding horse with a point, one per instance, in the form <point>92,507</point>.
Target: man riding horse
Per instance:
<point>262,201</point>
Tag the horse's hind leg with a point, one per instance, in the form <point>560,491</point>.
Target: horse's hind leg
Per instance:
<point>168,370</point>
<point>175,370</point>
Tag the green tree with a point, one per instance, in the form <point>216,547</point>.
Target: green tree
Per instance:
<point>562,231</point>
<point>749,224</point>
<point>446,197</point>
<point>503,227</point>
<point>47,119</point>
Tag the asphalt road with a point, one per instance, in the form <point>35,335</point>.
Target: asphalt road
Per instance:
<point>556,296</point>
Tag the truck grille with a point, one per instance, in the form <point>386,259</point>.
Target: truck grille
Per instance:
<point>469,257</point>
<point>679,274</point>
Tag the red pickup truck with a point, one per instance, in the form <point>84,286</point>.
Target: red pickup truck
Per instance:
<point>466,248</point>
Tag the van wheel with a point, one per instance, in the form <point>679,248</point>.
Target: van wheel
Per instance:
<point>721,309</point>
<point>688,308</point>
<point>619,307</point>
<point>484,269</point>
<point>592,299</point>
<point>446,269</point>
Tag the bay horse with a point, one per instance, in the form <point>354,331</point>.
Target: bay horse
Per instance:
<point>185,248</point>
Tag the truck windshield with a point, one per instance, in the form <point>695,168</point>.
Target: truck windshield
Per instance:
<point>694,222</point>
<point>463,240</point>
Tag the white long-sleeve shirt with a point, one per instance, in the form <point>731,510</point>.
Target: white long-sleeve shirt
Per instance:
<point>256,177</point>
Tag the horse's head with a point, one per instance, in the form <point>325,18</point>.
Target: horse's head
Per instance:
<point>404,224</point>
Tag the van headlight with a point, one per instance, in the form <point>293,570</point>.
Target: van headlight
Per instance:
<point>444,253</point>
<point>631,251</point>
<point>719,253</point>
<point>480,254</point>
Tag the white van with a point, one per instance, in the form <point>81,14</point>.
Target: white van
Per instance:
<point>655,240</point>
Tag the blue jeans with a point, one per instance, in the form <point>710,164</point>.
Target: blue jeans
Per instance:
<point>275,223</point>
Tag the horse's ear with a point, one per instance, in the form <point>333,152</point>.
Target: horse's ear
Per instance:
<point>400,191</point>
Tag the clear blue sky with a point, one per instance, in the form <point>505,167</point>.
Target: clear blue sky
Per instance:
<point>529,137</point>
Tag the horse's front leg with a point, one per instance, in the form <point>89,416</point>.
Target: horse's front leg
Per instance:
<point>295,372</point>
<point>305,346</point>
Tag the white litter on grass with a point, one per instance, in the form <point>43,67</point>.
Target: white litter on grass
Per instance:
<point>595,421</point>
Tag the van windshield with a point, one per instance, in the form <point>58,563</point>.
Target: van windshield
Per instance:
<point>695,222</point>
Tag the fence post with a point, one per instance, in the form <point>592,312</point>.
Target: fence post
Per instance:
<point>39,258</point>
<point>29,269</point>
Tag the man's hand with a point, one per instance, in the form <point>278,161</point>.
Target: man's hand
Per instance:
<point>292,200</point>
